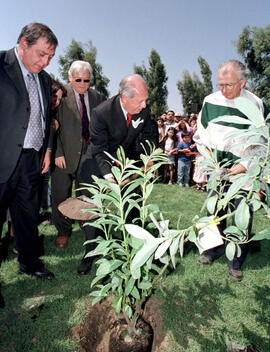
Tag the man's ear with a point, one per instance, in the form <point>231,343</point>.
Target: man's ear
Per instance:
<point>23,43</point>
<point>243,83</point>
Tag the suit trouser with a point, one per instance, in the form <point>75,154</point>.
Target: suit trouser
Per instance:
<point>61,190</point>
<point>20,195</point>
<point>217,252</point>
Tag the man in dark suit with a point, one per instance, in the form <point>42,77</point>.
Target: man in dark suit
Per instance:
<point>73,116</point>
<point>124,120</point>
<point>25,138</point>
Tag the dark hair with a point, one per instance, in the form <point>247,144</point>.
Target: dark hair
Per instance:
<point>170,111</point>
<point>56,85</point>
<point>185,134</point>
<point>33,31</point>
<point>162,145</point>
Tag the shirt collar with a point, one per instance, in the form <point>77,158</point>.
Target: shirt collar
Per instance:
<point>25,72</point>
<point>124,111</point>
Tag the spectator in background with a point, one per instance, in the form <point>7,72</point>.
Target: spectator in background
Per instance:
<point>161,131</point>
<point>183,126</point>
<point>169,144</point>
<point>164,117</point>
<point>58,91</point>
<point>184,160</point>
<point>177,117</point>
<point>169,121</point>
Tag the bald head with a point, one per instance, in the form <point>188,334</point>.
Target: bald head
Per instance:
<point>134,93</point>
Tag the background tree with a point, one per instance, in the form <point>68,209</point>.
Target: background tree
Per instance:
<point>156,79</point>
<point>86,52</point>
<point>192,90</point>
<point>206,75</point>
<point>254,46</point>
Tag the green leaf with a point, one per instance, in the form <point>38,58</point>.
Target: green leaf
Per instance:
<point>135,243</point>
<point>230,250</point>
<point>238,250</point>
<point>162,248</point>
<point>145,285</point>
<point>105,289</point>
<point>192,236</point>
<point>117,304</point>
<point>211,204</point>
<point>128,311</point>
<point>262,235</point>
<point>136,273</point>
<point>232,230</point>
<point>108,266</point>
<point>129,286</point>
<point>236,186</point>
<point>248,108</point>
<point>135,293</point>
<point>145,252</point>
<point>97,299</point>
<point>181,246</point>
<point>173,249</point>
<point>138,232</point>
<point>242,215</point>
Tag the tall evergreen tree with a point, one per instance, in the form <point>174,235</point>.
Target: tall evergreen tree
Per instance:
<point>206,75</point>
<point>254,46</point>
<point>156,79</point>
<point>86,52</point>
<point>192,90</point>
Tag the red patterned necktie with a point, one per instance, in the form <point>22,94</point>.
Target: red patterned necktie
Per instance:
<point>129,118</point>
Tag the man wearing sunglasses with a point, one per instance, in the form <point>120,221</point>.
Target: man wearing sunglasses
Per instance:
<point>74,115</point>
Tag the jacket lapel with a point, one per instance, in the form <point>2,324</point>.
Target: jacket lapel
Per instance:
<point>14,72</point>
<point>72,102</point>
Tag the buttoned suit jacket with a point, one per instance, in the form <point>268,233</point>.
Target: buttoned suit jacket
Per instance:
<point>69,134</point>
<point>15,112</point>
<point>108,131</point>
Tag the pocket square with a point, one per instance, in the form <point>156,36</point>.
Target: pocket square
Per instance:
<point>136,123</point>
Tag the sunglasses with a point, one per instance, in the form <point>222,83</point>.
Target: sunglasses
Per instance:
<point>84,80</point>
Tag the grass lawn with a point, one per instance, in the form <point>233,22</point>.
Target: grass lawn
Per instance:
<point>200,306</point>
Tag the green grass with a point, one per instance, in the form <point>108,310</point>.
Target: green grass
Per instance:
<point>200,306</point>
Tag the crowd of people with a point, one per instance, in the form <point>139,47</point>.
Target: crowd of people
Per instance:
<point>176,133</point>
<point>50,130</point>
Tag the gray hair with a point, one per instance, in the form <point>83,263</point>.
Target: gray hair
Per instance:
<point>78,66</point>
<point>33,31</point>
<point>128,87</point>
<point>237,65</point>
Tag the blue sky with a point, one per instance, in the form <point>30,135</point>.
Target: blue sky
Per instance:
<point>124,32</point>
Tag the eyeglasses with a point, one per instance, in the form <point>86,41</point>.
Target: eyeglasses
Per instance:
<point>78,80</point>
<point>227,85</point>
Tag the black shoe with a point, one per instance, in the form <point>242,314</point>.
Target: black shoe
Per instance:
<point>40,273</point>
<point>2,302</point>
<point>204,260</point>
<point>235,274</point>
<point>85,266</point>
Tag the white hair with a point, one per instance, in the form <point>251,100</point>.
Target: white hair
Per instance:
<point>78,66</point>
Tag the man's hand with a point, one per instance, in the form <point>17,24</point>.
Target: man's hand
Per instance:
<point>46,161</point>
<point>237,169</point>
<point>60,162</point>
<point>111,179</point>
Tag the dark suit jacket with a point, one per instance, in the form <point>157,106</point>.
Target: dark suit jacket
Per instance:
<point>108,131</point>
<point>15,112</point>
<point>69,135</point>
